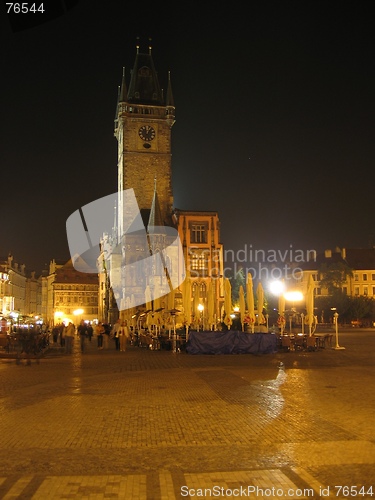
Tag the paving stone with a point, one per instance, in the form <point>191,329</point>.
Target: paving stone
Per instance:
<point>145,424</point>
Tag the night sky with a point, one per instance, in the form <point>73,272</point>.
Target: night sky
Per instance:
<point>274,119</point>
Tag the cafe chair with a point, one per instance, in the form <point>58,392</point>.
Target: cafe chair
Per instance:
<point>299,342</point>
<point>311,343</point>
<point>328,339</point>
<point>286,343</point>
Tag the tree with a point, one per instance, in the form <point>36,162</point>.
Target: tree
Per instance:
<point>362,309</point>
<point>327,304</point>
<point>334,276</point>
<point>236,281</point>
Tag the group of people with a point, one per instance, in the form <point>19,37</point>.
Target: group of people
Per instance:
<point>119,333</point>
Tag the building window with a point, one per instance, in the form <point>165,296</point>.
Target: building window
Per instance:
<point>365,290</point>
<point>356,277</point>
<point>364,276</point>
<point>373,277</point>
<point>200,289</point>
<point>198,233</point>
<point>345,290</point>
<point>356,291</point>
<point>198,264</point>
<point>373,290</point>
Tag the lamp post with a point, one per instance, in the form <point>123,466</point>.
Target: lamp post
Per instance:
<point>293,296</point>
<point>335,320</point>
<point>58,317</point>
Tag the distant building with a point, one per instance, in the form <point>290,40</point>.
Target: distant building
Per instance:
<point>360,260</point>
<point>13,287</point>
<point>70,295</point>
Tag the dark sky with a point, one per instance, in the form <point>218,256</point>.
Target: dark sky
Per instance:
<point>274,119</point>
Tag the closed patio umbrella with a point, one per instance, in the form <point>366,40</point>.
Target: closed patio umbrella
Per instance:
<point>148,302</point>
<point>310,303</point>
<point>133,320</point>
<point>242,306</point>
<point>260,304</point>
<point>250,301</point>
<point>148,298</point>
<point>227,302</point>
<point>196,312</point>
<point>281,319</point>
<point>210,305</point>
<point>170,300</point>
<point>156,318</point>
<point>187,304</point>
<point>127,313</point>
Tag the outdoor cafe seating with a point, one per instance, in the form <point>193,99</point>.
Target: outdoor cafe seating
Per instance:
<point>305,342</point>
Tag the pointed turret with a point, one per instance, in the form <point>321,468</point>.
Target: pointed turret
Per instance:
<point>170,109</point>
<point>116,113</point>
<point>155,220</point>
<point>170,100</point>
<point>123,91</point>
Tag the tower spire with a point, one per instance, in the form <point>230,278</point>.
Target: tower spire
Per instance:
<point>123,91</point>
<point>155,218</point>
<point>144,85</point>
<point>169,100</point>
<point>117,106</point>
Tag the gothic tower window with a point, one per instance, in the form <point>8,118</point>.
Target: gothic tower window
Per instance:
<point>198,263</point>
<point>198,233</point>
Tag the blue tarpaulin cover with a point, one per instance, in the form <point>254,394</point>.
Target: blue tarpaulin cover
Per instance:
<point>231,342</point>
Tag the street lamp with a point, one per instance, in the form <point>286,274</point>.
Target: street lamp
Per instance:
<point>293,296</point>
<point>78,312</point>
<point>336,322</point>
<point>277,287</point>
<point>200,309</point>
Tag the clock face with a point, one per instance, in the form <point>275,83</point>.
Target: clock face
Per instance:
<point>147,133</point>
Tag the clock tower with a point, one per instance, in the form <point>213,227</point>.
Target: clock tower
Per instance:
<point>143,123</point>
<point>136,261</point>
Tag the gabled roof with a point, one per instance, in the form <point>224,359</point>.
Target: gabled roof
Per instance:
<point>355,258</point>
<point>361,258</point>
<point>67,274</point>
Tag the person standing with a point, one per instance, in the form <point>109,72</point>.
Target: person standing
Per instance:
<point>106,334</point>
<point>55,333</point>
<point>90,331</point>
<point>62,335</point>
<point>82,332</point>
<point>99,335</point>
<point>69,337</point>
<point>124,335</point>
<point>115,333</point>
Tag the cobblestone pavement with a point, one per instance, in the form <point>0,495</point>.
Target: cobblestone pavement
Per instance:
<point>159,425</point>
